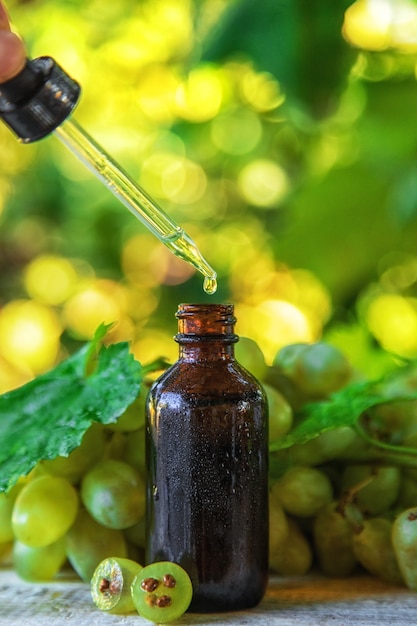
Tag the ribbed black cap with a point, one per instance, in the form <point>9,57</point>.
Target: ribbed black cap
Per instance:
<point>38,99</point>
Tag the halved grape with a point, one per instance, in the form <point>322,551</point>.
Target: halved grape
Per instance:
<point>44,510</point>
<point>162,592</point>
<point>110,585</point>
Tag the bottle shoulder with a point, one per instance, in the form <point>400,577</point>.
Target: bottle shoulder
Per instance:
<point>223,376</point>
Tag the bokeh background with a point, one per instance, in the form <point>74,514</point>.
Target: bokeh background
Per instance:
<point>281,134</point>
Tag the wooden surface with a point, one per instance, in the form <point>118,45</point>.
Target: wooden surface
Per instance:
<point>312,601</point>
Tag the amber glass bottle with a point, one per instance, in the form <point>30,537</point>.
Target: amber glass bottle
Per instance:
<point>207,461</point>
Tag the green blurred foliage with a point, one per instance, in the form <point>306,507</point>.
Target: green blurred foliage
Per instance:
<point>285,151</point>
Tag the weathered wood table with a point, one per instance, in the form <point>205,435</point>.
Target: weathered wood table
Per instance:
<point>307,601</point>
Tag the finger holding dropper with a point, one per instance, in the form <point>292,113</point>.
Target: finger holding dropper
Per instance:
<point>36,98</point>
<point>12,49</point>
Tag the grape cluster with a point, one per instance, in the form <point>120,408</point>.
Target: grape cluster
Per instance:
<point>334,505</point>
<point>78,510</point>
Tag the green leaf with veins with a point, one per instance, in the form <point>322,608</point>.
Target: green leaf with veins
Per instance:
<point>48,416</point>
<point>343,408</point>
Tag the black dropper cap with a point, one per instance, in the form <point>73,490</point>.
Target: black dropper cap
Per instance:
<point>38,99</point>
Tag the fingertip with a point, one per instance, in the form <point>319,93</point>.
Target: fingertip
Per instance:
<point>4,18</point>
<point>12,55</point>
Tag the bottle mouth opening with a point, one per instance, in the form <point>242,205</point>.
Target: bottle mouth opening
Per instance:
<point>224,312</point>
<point>208,320</point>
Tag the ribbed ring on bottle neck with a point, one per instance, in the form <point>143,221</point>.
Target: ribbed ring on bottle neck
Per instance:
<point>206,321</point>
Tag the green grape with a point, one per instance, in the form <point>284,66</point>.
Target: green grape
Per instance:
<point>137,534</point>
<point>39,564</point>
<point>404,540</point>
<point>114,494</point>
<point>294,556</point>
<point>162,592</point>
<point>89,543</point>
<point>286,387</point>
<point>6,509</point>
<point>250,356</point>
<point>116,447</point>
<point>303,491</point>
<point>134,416</point>
<point>110,585</point>
<point>135,553</point>
<point>407,495</point>
<point>6,550</point>
<point>380,488</point>
<point>374,550</point>
<point>278,527</point>
<point>333,542</point>
<point>325,447</point>
<point>81,459</point>
<point>280,413</point>
<point>135,450</point>
<point>286,358</point>
<point>44,510</point>
<point>393,421</point>
<point>317,369</point>
<point>410,441</point>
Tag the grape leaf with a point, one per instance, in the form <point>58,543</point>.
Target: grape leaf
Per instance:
<point>49,415</point>
<point>343,408</point>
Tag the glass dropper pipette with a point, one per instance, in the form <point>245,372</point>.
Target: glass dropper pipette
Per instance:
<point>134,198</point>
<point>39,101</point>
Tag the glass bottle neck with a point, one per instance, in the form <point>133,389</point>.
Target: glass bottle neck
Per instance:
<point>206,331</point>
<point>211,350</point>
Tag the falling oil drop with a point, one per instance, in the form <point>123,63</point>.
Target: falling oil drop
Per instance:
<point>210,284</point>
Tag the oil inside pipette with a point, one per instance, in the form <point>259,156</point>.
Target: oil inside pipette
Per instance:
<point>135,199</point>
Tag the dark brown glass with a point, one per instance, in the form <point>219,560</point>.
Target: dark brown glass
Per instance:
<point>207,456</point>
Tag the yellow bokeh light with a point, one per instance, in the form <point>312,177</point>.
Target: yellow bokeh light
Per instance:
<point>312,295</point>
<point>141,302</point>
<point>29,334</point>
<point>50,279</point>
<point>392,319</point>
<point>236,132</point>
<point>156,93</point>
<point>155,343</point>
<point>142,262</point>
<point>199,97</point>
<point>263,183</point>
<point>261,90</point>
<point>93,305</point>
<point>274,324</point>
<point>171,18</point>
<point>184,182</point>
<point>173,177</point>
<point>382,24</point>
